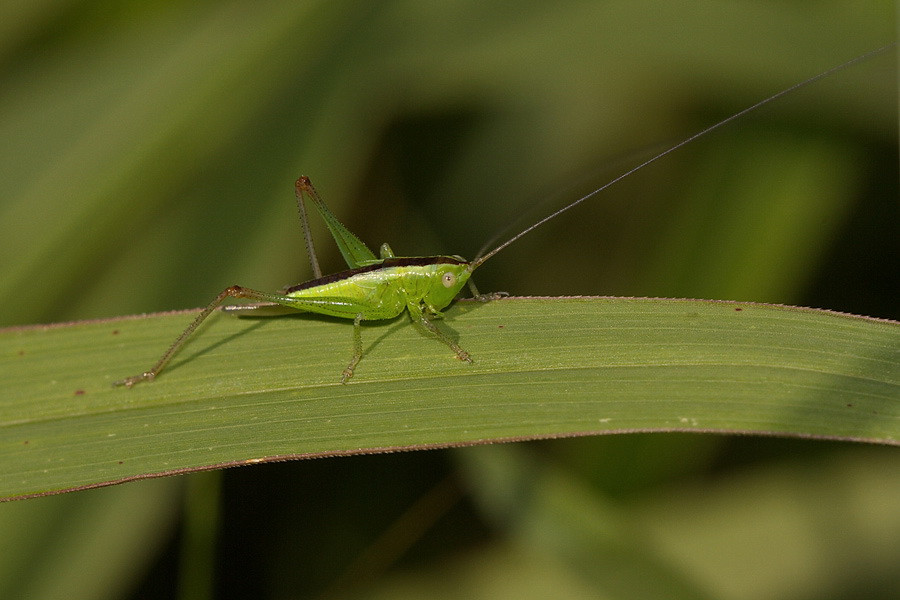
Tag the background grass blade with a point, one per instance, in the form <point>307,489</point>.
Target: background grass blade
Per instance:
<point>253,390</point>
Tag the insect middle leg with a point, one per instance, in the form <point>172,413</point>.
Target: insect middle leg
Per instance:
<point>422,321</point>
<point>357,349</point>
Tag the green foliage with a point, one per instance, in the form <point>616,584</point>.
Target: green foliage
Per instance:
<point>247,392</point>
<point>150,151</point>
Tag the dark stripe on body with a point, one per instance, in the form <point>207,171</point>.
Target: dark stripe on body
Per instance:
<point>401,261</point>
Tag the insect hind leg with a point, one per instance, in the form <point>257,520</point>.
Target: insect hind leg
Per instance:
<point>234,291</point>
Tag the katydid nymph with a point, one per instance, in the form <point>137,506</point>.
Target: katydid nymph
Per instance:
<point>372,289</point>
<point>382,287</point>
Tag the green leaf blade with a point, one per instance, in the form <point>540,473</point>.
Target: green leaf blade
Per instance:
<point>247,391</point>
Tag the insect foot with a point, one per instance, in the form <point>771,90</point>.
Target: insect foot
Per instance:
<point>130,381</point>
<point>490,297</point>
<point>463,355</point>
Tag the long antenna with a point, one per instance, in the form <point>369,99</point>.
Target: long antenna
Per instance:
<point>480,260</point>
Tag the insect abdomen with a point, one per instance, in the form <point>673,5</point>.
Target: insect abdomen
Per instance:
<point>376,294</point>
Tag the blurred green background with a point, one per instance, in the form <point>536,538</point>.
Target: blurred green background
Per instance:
<point>148,155</point>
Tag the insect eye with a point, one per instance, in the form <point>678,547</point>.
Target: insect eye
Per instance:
<point>449,279</point>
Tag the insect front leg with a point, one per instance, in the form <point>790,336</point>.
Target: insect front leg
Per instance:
<point>485,297</point>
<point>234,291</point>
<point>357,349</point>
<point>423,322</point>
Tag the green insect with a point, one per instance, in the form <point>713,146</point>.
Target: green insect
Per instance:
<point>378,288</point>
<point>372,289</point>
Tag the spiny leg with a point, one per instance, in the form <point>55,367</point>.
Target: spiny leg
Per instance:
<point>299,188</point>
<point>485,297</point>
<point>354,251</point>
<point>420,320</point>
<point>234,291</point>
<point>357,349</point>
